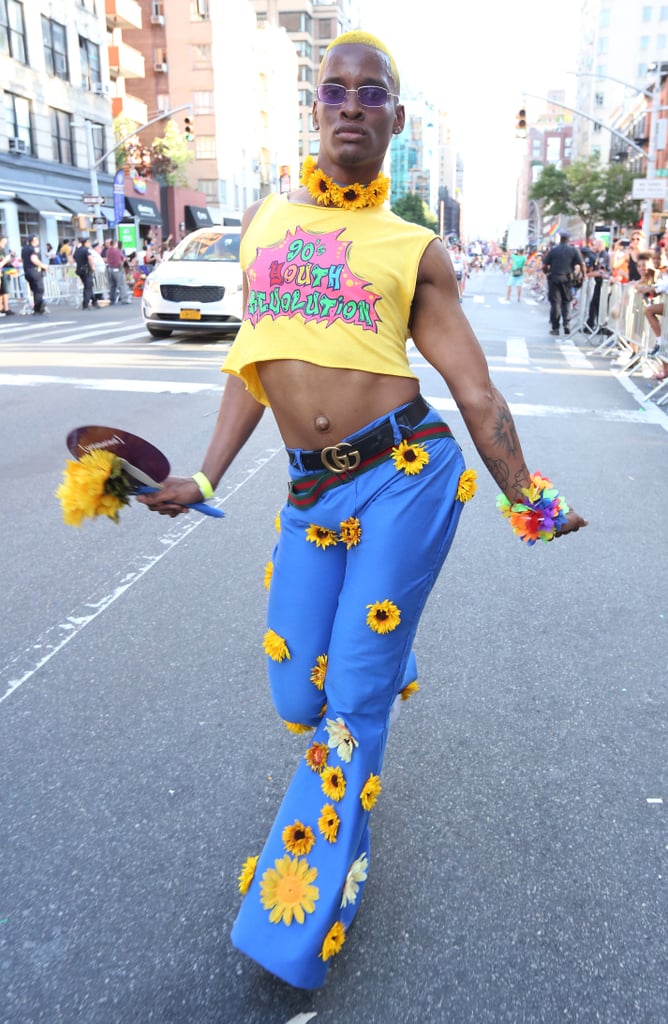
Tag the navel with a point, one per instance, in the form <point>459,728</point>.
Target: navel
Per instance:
<point>321,423</point>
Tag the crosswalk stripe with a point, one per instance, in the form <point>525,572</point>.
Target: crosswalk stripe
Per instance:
<point>517,351</point>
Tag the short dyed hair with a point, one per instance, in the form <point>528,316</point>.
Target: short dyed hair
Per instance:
<point>365,39</point>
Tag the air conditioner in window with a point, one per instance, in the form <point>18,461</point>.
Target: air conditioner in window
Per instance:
<point>157,19</point>
<point>17,146</point>
<point>100,89</point>
<point>160,67</point>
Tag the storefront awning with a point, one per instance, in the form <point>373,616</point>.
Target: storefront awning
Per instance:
<point>197,217</point>
<point>144,210</point>
<point>45,206</point>
<point>75,206</point>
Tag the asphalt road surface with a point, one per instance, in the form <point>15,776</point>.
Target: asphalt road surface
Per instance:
<point>518,869</point>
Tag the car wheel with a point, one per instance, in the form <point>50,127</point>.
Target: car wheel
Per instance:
<point>157,333</point>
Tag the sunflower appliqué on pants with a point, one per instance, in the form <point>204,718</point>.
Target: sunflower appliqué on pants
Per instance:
<point>347,583</point>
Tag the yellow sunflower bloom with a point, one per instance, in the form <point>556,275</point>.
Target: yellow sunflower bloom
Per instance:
<point>412,458</point>
<point>95,485</point>
<point>298,838</point>
<point>370,792</point>
<point>316,756</point>
<point>277,521</point>
<point>467,485</point>
<point>321,537</point>
<point>287,891</point>
<point>333,941</point>
<point>247,874</point>
<point>275,646</point>
<point>328,823</point>
<point>409,690</point>
<point>333,782</point>
<point>383,616</point>
<point>351,532</point>
<point>268,573</point>
<point>296,728</point>
<point>319,671</point>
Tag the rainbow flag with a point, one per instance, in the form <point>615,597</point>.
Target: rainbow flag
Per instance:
<point>553,230</point>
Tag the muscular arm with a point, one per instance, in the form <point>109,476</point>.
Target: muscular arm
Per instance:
<point>444,337</point>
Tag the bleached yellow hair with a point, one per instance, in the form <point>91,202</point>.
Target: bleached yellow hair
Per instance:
<point>365,39</point>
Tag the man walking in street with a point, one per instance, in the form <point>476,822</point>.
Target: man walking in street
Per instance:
<point>334,283</point>
<point>118,286</point>
<point>560,265</point>
<point>85,271</point>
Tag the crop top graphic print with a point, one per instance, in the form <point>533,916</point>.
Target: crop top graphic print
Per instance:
<point>327,286</point>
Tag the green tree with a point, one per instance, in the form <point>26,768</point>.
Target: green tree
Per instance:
<point>589,190</point>
<point>170,155</point>
<point>414,209</point>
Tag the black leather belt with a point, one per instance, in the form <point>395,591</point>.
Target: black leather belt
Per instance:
<point>347,456</point>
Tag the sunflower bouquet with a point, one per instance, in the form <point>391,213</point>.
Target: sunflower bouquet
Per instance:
<point>94,485</point>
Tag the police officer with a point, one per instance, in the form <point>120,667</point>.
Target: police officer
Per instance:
<point>33,269</point>
<point>561,264</point>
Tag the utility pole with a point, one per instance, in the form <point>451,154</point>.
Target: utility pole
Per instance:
<point>93,164</point>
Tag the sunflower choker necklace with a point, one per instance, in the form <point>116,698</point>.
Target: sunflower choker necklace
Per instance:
<point>326,192</point>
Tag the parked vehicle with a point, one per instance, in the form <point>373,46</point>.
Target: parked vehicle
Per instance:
<point>198,287</point>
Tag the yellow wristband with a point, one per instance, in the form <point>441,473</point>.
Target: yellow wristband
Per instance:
<point>204,485</point>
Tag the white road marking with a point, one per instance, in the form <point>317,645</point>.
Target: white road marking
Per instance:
<point>654,800</point>
<point>652,414</point>
<point>517,351</point>
<point>172,387</point>
<point>302,1018</point>
<point>572,354</point>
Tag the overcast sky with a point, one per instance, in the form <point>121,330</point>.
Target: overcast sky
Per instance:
<point>476,59</point>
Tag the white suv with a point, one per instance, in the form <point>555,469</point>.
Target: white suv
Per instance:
<point>198,287</point>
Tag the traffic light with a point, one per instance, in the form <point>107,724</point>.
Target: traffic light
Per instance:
<point>188,129</point>
<point>521,124</point>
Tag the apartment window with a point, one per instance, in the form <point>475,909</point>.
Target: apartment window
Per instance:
<point>209,186</point>
<point>661,40</point>
<point>89,54</point>
<point>88,5</point>
<point>644,42</point>
<point>160,59</point>
<point>663,12</point>
<point>157,9</point>
<point>326,28</point>
<point>599,99</point>
<point>203,102</point>
<point>199,10</point>
<point>54,36</point>
<point>303,48</point>
<point>642,70</point>
<point>604,18</point>
<point>205,147</point>
<point>162,102</point>
<point>18,118</point>
<point>61,136</point>
<point>296,21</point>
<point>602,45</point>
<point>201,56</point>
<point>12,30</point>
<point>28,219</point>
<point>99,140</point>
<point>601,70</point>
<point>647,14</point>
<point>596,127</point>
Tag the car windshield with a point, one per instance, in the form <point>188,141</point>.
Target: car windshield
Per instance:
<point>211,246</point>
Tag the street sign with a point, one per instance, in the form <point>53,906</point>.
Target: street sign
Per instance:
<point>649,188</point>
<point>100,221</point>
<point>93,200</point>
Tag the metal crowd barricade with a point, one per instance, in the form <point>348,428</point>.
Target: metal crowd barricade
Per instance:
<point>660,361</point>
<point>581,311</point>
<point>615,320</point>
<point>61,285</point>
<point>636,331</point>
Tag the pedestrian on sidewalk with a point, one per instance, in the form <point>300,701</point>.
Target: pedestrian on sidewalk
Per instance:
<point>377,483</point>
<point>6,261</point>
<point>33,271</point>
<point>118,285</point>
<point>600,271</point>
<point>85,270</point>
<point>562,264</point>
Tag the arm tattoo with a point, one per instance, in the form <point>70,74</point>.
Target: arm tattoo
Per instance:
<point>505,435</point>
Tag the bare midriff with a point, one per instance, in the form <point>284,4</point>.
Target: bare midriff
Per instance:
<point>315,406</point>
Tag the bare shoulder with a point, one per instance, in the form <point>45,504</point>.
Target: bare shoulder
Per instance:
<point>249,214</point>
<point>435,266</point>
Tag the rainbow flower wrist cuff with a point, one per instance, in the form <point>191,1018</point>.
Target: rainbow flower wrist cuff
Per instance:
<point>540,515</point>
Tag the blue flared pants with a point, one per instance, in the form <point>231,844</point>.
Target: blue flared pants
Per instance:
<point>356,558</point>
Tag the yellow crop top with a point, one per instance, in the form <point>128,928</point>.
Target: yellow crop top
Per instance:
<point>328,286</point>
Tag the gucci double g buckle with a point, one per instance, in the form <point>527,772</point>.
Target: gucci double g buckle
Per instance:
<point>336,460</point>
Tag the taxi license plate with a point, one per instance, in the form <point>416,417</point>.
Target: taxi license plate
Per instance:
<point>190,314</point>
